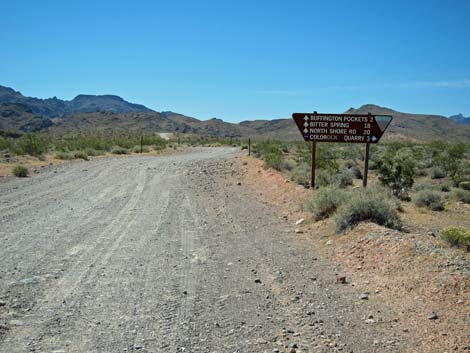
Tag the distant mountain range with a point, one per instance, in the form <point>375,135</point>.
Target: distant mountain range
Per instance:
<point>107,114</point>
<point>53,107</point>
<point>460,119</point>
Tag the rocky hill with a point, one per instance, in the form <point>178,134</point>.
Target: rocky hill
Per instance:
<point>107,113</point>
<point>460,119</point>
<point>16,117</point>
<point>417,126</point>
<point>54,107</point>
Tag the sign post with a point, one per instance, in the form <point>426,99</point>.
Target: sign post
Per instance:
<point>366,166</point>
<point>341,128</point>
<point>314,152</point>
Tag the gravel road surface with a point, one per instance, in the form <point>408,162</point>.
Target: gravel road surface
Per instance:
<point>168,254</point>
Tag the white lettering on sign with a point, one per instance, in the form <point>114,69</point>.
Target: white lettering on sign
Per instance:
<point>324,137</point>
<point>338,131</point>
<point>319,131</point>
<point>353,138</point>
<point>340,125</point>
<point>318,124</point>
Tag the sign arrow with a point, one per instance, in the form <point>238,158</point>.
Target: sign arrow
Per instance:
<point>306,124</point>
<point>305,130</point>
<point>306,118</point>
<point>373,138</point>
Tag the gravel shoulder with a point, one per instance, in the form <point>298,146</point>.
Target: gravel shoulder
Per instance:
<point>169,254</point>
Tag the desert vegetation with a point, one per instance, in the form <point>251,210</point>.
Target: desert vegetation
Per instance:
<point>77,147</point>
<point>20,171</point>
<point>427,176</point>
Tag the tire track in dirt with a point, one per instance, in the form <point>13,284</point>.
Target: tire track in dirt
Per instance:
<point>171,255</point>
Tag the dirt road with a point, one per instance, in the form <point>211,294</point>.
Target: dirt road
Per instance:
<point>168,254</point>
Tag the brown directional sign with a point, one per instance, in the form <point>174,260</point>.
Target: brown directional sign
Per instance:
<point>352,128</point>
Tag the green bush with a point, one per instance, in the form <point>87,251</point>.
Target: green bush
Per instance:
<point>119,150</point>
<point>350,164</point>
<point>272,160</point>
<point>421,172</point>
<point>422,186</point>
<point>461,195</point>
<point>430,199</point>
<point>437,173</point>
<point>137,149</point>
<point>92,152</point>
<point>465,185</point>
<point>356,172</point>
<point>80,155</point>
<point>450,156</point>
<point>325,202</point>
<point>372,204</point>
<point>301,174</point>
<point>31,145</point>
<point>20,171</point>
<point>457,237</point>
<point>324,177</point>
<point>397,170</point>
<point>342,179</point>
<point>462,173</point>
<point>64,155</point>
<point>445,187</point>
<point>373,165</point>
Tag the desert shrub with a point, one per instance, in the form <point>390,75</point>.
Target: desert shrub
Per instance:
<point>430,199</point>
<point>349,164</point>
<point>92,152</point>
<point>457,237</point>
<point>119,150</point>
<point>424,163</point>
<point>462,173</point>
<point>465,185</point>
<point>324,177</point>
<point>421,172</point>
<point>137,149</point>
<point>445,187</point>
<point>20,171</point>
<point>325,202</point>
<point>64,155</point>
<point>397,170</point>
<point>342,179</point>
<point>373,165</point>
<point>272,160</point>
<point>6,144</point>
<point>461,195</point>
<point>287,164</point>
<point>80,155</point>
<point>437,173</point>
<point>450,156</point>
<point>422,186</point>
<point>356,172</point>
<point>372,204</point>
<point>266,147</point>
<point>301,174</point>
<point>31,145</point>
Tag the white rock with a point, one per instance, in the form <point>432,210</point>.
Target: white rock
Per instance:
<point>300,221</point>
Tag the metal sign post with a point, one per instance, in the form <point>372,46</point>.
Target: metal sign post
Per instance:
<point>314,152</point>
<point>341,128</point>
<point>366,166</point>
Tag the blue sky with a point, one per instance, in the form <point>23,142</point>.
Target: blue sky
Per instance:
<point>240,60</point>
